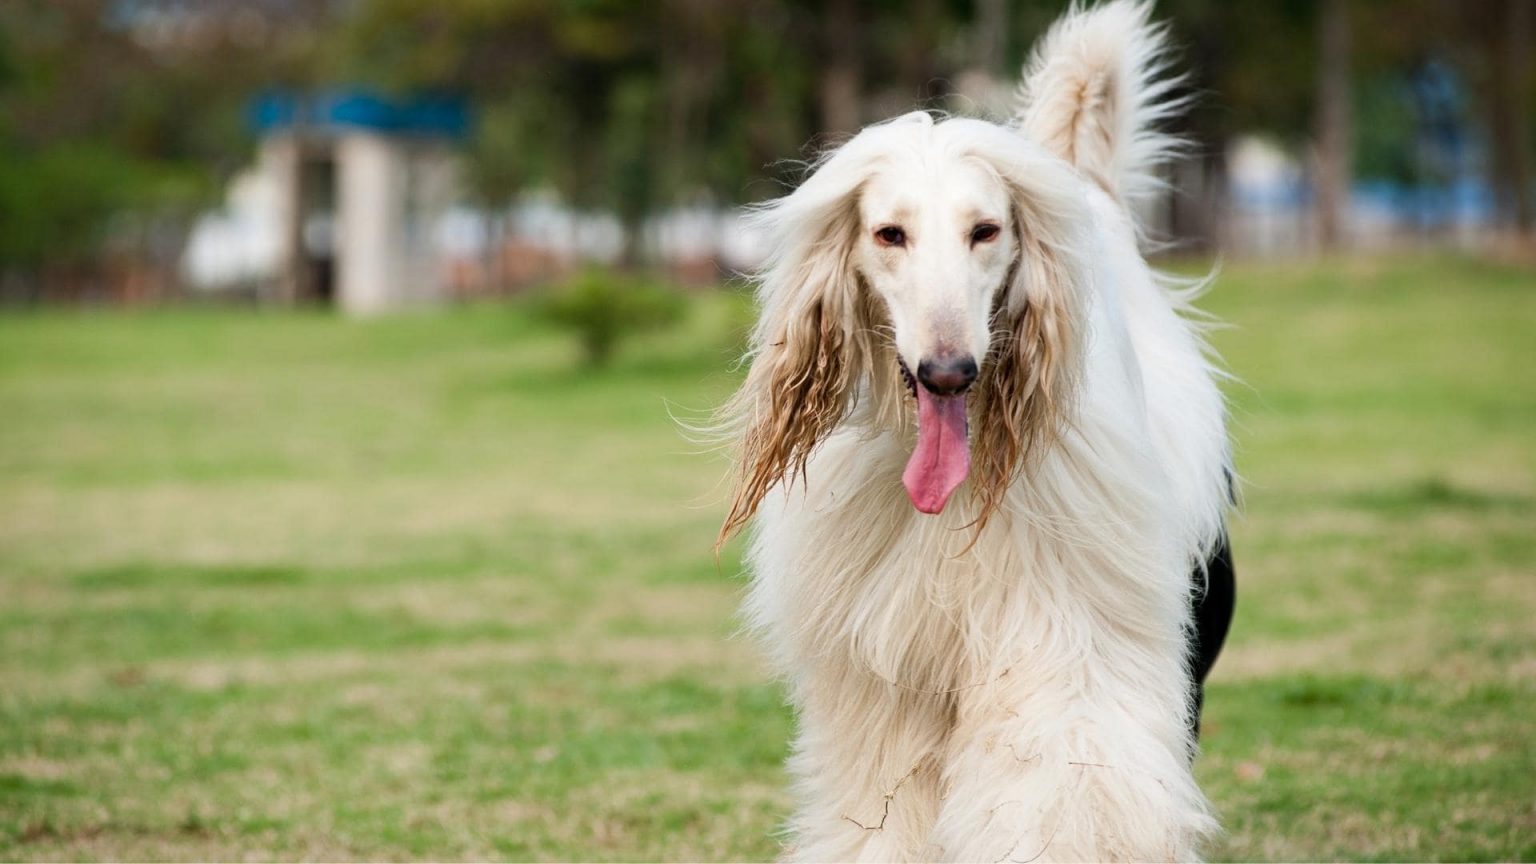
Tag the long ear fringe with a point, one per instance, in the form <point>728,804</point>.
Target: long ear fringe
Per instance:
<point>802,385</point>
<point>818,346</point>
<point>797,391</point>
<point>1026,395</point>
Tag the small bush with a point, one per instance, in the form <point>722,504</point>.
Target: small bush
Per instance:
<point>603,307</point>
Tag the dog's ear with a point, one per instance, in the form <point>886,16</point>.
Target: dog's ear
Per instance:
<point>1026,393</point>
<point>815,341</point>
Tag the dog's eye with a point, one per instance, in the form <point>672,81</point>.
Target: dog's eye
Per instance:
<point>891,235</point>
<point>986,232</point>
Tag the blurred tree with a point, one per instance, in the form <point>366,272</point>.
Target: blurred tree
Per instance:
<point>841,82</point>
<point>1385,128</point>
<point>1249,67</point>
<point>628,106</point>
<point>990,36</point>
<point>1258,67</point>
<point>108,105</point>
<point>569,84</point>
<point>122,109</point>
<point>1506,71</point>
<point>1488,44</point>
<point>499,163</point>
<point>1333,127</point>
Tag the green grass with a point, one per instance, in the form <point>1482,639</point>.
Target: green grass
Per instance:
<point>283,586</point>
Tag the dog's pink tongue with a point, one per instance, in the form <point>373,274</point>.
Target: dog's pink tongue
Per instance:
<point>942,457</point>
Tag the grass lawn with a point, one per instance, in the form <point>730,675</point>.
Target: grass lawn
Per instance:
<point>288,586</point>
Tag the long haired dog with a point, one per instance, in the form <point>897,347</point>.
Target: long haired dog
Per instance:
<point>982,451</point>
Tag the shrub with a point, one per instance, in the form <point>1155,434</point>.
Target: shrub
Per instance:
<point>603,307</point>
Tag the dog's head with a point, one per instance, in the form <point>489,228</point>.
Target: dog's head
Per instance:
<point>940,262</point>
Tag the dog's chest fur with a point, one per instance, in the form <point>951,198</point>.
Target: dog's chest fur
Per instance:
<point>851,573</point>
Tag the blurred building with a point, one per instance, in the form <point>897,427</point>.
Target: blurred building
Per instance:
<point>342,206</point>
<point>354,201</point>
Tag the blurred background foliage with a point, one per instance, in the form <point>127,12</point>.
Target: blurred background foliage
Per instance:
<point>137,106</point>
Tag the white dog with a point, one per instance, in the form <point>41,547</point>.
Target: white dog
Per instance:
<point>984,452</point>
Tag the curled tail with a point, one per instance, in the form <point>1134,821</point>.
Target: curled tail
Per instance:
<point>1095,91</point>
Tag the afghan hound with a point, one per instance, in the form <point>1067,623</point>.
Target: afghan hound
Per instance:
<point>981,451</point>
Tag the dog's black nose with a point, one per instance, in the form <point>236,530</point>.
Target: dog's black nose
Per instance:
<point>947,376</point>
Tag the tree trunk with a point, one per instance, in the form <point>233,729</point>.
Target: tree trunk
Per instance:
<point>1510,53</point>
<point>691,39</point>
<point>1194,201</point>
<point>991,36</point>
<point>922,38</point>
<point>1334,136</point>
<point>294,284</point>
<point>842,71</point>
<point>490,255</point>
<point>632,254</point>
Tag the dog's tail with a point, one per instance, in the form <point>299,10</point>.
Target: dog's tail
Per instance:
<point>1097,89</point>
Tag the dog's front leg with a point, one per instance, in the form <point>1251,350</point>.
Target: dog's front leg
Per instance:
<point>1069,768</point>
<point>865,763</point>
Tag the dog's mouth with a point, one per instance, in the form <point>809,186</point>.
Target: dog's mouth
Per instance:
<point>942,458</point>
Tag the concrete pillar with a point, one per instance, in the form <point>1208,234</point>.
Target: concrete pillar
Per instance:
<point>371,260</point>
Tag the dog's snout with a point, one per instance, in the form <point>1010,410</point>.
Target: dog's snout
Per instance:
<point>947,376</point>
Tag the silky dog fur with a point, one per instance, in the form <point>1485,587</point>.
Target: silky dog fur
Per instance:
<point>1009,678</point>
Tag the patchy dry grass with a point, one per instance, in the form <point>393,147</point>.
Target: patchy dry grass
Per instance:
<point>295,587</point>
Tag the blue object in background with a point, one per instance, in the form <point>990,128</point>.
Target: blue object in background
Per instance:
<point>333,110</point>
